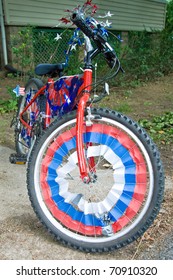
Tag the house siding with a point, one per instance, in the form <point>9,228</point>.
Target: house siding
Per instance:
<point>128,14</point>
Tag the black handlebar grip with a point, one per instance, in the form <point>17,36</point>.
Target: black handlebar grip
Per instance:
<point>79,22</point>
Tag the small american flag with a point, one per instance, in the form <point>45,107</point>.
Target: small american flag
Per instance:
<point>19,91</point>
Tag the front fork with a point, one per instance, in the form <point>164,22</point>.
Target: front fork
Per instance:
<point>83,166</point>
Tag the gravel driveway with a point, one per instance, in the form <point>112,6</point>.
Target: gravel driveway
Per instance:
<point>23,237</point>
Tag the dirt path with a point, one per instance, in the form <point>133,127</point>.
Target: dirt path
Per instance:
<point>23,237</point>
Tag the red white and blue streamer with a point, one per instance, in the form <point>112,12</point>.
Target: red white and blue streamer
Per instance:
<point>126,190</point>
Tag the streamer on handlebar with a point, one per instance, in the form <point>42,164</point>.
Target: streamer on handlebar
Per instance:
<point>99,35</point>
<point>82,17</point>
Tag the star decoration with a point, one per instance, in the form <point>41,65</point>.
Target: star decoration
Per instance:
<point>94,9</point>
<point>73,47</point>
<point>65,20</point>
<point>88,3</point>
<point>87,10</point>
<point>58,36</point>
<point>108,14</point>
<point>107,23</point>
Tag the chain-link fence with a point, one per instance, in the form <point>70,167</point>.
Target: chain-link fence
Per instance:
<point>31,46</point>
<point>46,48</point>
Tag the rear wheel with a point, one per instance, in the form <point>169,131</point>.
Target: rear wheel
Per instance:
<point>126,188</point>
<point>23,138</point>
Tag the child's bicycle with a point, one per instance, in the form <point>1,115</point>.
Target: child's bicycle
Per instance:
<point>95,178</point>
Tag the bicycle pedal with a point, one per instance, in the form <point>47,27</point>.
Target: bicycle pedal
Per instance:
<point>17,159</point>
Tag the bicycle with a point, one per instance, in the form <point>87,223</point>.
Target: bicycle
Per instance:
<point>95,178</point>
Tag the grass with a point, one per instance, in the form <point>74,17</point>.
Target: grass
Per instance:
<point>160,128</point>
<point>124,108</point>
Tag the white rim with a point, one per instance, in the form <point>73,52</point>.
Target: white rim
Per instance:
<point>68,232</point>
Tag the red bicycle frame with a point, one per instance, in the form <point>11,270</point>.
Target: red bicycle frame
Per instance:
<point>85,89</point>
<point>48,114</point>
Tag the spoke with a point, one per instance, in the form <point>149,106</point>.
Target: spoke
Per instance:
<point>93,221</point>
<point>110,193</point>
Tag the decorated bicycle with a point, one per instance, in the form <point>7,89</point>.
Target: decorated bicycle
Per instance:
<point>95,178</point>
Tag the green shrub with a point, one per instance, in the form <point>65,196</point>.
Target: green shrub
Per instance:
<point>22,50</point>
<point>160,127</point>
<point>148,54</point>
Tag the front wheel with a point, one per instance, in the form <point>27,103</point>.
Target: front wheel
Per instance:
<point>122,199</point>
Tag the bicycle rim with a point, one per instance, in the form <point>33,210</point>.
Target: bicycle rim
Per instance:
<point>103,211</point>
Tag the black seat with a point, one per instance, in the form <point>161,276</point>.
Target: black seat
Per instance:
<point>49,69</point>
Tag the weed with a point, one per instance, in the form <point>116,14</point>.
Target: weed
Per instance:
<point>128,93</point>
<point>9,105</point>
<point>160,127</point>
<point>148,103</point>
<point>22,49</point>
<point>123,108</point>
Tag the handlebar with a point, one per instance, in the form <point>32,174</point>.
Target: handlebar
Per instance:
<point>77,19</point>
<point>97,37</point>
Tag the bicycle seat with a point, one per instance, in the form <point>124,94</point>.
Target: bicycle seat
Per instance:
<point>49,69</point>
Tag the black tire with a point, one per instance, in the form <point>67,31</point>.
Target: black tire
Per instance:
<point>33,85</point>
<point>96,216</point>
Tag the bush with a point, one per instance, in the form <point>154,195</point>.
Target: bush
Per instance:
<point>22,50</point>
<point>148,54</point>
